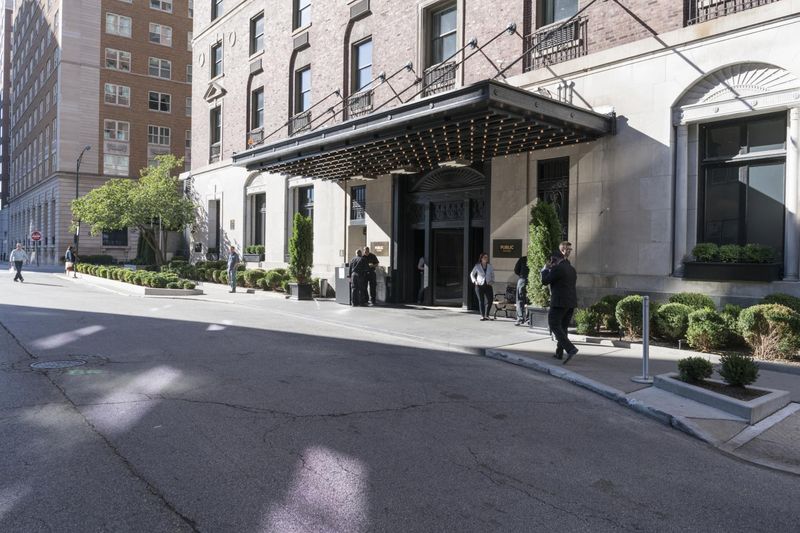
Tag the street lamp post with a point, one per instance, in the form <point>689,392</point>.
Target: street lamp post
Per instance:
<point>77,184</point>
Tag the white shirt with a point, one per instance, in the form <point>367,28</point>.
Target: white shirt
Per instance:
<point>481,276</point>
<point>18,255</point>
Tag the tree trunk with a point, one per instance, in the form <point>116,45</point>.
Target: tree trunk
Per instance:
<point>148,235</point>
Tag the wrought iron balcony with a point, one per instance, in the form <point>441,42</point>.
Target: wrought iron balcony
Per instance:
<point>439,78</point>
<point>300,122</point>
<point>555,44</point>
<point>360,103</point>
<point>705,10</point>
<point>214,152</point>
<point>255,137</point>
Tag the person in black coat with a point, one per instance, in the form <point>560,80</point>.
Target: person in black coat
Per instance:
<point>562,278</point>
<point>358,279</point>
<point>372,276</point>
<point>521,270</point>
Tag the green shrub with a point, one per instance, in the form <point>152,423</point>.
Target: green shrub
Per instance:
<point>159,281</point>
<point>707,330</point>
<point>758,253</point>
<point>672,320</point>
<point>274,279</point>
<point>189,285</point>
<point>792,302</point>
<point>694,369</point>
<point>240,282</point>
<point>222,276</point>
<point>730,253</point>
<point>629,315</point>
<point>695,300</point>
<point>771,330</point>
<point>706,252</point>
<point>315,287</point>
<point>738,370</point>
<point>587,321</point>
<point>732,310</point>
<point>174,285</point>
<point>301,248</point>
<point>544,234</point>
<point>216,276</point>
<point>282,271</point>
<point>607,307</point>
<point>251,277</point>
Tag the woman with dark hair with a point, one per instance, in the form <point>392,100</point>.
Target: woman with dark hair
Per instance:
<point>482,276</point>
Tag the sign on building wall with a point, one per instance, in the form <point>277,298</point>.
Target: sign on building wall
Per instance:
<point>380,248</point>
<point>507,248</point>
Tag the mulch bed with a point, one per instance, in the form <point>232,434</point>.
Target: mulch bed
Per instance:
<point>740,393</point>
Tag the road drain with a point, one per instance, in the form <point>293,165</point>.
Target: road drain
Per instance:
<point>53,365</point>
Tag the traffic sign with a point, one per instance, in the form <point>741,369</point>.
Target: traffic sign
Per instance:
<point>36,236</point>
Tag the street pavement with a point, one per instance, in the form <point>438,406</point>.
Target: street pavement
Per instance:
<point>250,413</point>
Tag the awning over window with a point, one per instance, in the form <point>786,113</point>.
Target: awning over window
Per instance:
<point>475,123</point>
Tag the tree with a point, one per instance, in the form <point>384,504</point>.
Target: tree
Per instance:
<point>545,236</point>
<point>301,249</point>
<point>150,204</point>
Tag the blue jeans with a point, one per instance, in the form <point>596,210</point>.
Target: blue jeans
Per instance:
<point>232,279</point>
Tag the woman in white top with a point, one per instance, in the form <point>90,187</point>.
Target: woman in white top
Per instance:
<point>482,276</point>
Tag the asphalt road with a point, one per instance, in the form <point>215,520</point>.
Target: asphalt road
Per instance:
<point>216,417</point>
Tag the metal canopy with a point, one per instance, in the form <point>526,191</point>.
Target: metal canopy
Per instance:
<point>475,123</point>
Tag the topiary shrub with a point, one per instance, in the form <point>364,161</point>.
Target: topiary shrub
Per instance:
<point>159,281</point>
<point>771,330</point>
<point>738,370</point>
<point>263,284</point>
<point>544,237</point>
<point>587,321</point>
<point>240,282</point>
<point>694,369</point>
<point>274,279</point>
<point>730,253</point>
<point>629,315</point>
<point>222,275</point>
<point>174,285</point>
<point>301,248</point>
<point>758,253</point>
<point>216,276</point>
<point>251,277</point>
<point>672,320</point>
<point>607,308</point>
<point>707,330</point>
<point>189,285</point>
<point>792,302</point>
<point>695,300</point>
<point>706,252</point>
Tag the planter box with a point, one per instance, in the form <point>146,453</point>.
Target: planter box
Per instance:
<point>753,411</point>
<point>253,258</point>
<point>138,289</point>
<point>732,271</point>
<point>300,291</point>
<point>537,317</point>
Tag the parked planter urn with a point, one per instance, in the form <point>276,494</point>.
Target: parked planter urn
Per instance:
<point>300,291</point>
<point>537,318</point>
<point>732,271</point>
<point>253,258</point>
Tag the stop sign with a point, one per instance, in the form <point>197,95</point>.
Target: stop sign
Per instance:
<point>36,236</point>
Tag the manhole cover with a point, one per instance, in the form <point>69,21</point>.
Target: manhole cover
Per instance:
<point>50,365</point>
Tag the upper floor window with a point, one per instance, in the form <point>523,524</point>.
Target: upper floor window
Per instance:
<point>191,8</point>
<point>302,100</point>
<point>444,38</point>
<point>216,60</point>
<point>358,202</point>
<point>160,68</point>
<point>118,60</point>
<point>118,25</point>
<point>189,36</point>
<point>257,109</point>
<point>117,94</point>
<point>189,73</point>
<point>215,147</point>
<point>161,5</point>
<point>302,13</point>
<point>160,34</point>
<point>158,135</point>
<point>217,8</point>
<point>362,62</point>
<point>257,33</point>
<point>555,10</point>
<point>157,101</point>
<point>305,201</point>
<point>116,130</point>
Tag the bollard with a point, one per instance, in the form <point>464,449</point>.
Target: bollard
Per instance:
<point>645,377</point>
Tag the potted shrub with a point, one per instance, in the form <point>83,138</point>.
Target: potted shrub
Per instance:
<point>301,257</point>
<point>254,253</point>
<point>545,234</point>
<point>752,262</point>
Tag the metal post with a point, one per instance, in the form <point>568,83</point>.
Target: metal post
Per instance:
<point>77,182</point>
<point>645,377</point>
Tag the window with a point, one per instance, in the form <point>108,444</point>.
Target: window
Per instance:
<point>362,62</point>
<point>302,100</point>
<point>555,10</point>
<point>118,25</point>
<point>160,34</point>
<point>305,201</point>
<point>116,237</point>
<point>191,8</point>
<point>189,37</point>
<point>358,202</point>
<point>158,135</point>
<point>189,73</point>
<point>159,101</point>
<point>257,33</point>
<point>115,157</point>
<point>188,106</point>
<point>257,109</point>
<point>161,5</point>
<point>116,130</point>
<point>302,13</point>
<point>216,60</point>
<point>216,134</point>
<point>217,8</point>
<point>160,68</point>
<point>117,95</point>
<point>742,182</point>
<point>118,60</point>
<point>443,34</point>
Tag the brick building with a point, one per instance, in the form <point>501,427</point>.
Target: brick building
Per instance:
<point>428,129</point>
<point>98,90</point>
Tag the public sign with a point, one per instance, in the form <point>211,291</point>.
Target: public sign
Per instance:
<point>507,248</point>
<point>36,236</point>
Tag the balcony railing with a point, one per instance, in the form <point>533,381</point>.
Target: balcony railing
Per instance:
<point>214,152</point>
<point>705,10</point>
<point>300,122</point>
<point>255,137</point>
<point>556,44</point>
<point>360,103</point>
<point>439,78</point>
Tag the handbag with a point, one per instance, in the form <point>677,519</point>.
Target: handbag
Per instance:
<point>69,265</point>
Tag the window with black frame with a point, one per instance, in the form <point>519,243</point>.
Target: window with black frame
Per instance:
<point>117,237</point>
<point>257,33</point>
<point>742,182</point>
<point>555,10</point>
<point>302,13</point>
<point>305,201</point>
<point>444,38</point>
<point>358,203</point>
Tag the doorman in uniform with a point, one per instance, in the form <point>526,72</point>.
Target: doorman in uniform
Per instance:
<point>372,277</point>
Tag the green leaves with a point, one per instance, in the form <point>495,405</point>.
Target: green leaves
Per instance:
<point>301,248</point>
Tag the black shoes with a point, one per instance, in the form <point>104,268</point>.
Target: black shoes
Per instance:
<point>559,353</point>
<point>570,354</point>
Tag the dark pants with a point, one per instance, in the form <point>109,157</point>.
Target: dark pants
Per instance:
<point>421,292</point>
<point>485,297</point>
<point>359,283</point>
<point>372,281</point>
<point>522,296</point>
<point>559,318</point>
<point>18,268</point>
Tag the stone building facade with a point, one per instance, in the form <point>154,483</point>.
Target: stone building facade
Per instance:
<point>296,107</point>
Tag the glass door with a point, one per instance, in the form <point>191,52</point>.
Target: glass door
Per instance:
<point>448,267</point>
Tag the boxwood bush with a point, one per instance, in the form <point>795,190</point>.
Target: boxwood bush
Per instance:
<point>738,370</point>
<point>706,252</point>
<point>792,302</point>
<point>252,277</point>
<point>587,321</point>
<point>707,330</point>
<point>694,369</point>
<point>672,320</point>
<point>629,315</point>
<point>606,307</point>
<point>771,330</point>
<point>730,253</point>
<point>695,300</point>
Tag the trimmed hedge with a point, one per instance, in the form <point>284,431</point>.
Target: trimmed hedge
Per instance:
<point>771,330</point>
<point>142,278</point>
<point>707,330</point>
<point>694,369</point>
<point>695,300</point>
<point>672,320</point>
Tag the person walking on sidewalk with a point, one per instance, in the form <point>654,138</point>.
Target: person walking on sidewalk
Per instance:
<point>422,267</point>
<point>482,276</point>
<point>233,263</point>
<point>562,278</point>
<point>17,258</point>
<point>521,269</point>
<point>69,262</point>
<point>372,276</point>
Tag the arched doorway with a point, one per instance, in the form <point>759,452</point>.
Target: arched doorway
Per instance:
<point>445,216</point>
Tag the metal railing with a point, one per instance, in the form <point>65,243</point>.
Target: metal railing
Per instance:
<point>300,122</point>
<point>360,103</point>
<point>214,152</point>
<point>549,46</point>
<point>439,78</point>
<point>255,137</point>
<point>705,10</point>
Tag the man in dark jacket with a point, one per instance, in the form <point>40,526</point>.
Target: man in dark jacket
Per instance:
<point>372,276</point>
<point>562,278</point>
<point>521,270</point>
<point>358,279</point>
